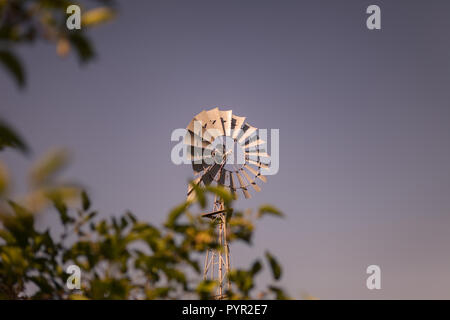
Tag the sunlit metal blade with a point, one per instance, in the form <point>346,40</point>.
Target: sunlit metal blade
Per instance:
<point>198,155</point>
<point>258,163</point>
<point>256,173</point>
<point>254,143</point>
<point>243,187</point>
<point>257,154</point>
<point>232,185</point>
<point>197,127</point>
<point>251,181</point>
<point>191,193</point>
<point>248,131</point>
<point>236,124</point>
<point>214,124</point>
<point>198,167</point>
<point>223,174</point>
<point>226,121</point>
<point>211,173</point>
<point>203,118</point>
<point>197,159</point>
<point>192,139</point>
<point>191,196</point>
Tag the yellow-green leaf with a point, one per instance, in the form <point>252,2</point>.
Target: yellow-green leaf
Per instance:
<point>274,266</point>
<point>97,16</point>
<point>4,178</point>
<point>46,168</point>
<point>268,209</point>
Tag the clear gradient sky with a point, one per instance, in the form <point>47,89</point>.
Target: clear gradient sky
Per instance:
<point>364,119</point>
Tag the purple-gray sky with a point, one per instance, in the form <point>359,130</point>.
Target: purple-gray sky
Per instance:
<point>363,116</point>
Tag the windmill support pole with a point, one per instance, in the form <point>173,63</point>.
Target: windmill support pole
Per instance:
<point>217,262</point>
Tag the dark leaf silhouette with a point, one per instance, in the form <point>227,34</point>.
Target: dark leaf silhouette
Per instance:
<point>83,47</point>
<point>274,266</point>
<point>10,138</point>
<point>13,65</point>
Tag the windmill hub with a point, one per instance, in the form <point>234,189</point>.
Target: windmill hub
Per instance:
<point>230,155</point>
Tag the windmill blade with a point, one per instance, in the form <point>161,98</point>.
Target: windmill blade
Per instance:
<point>192,139</point>
<point>236,124</point>
<point>193,128</point>
<point>232,185</point>
<point>251,181</point>
<point>213,122</point>
<point>248,131</point>
<point>197,159</point>
<point>196,151</point>
<point>198,155</point>
<point>258,164</point>
<point>256,173</point>
<point>257,153</point>
<point>222,176</point>
<point>243,187</point>
<point>198,167</point>
<point>226,121</point>
<point>210,174</point>
<point>191,196</point>
<point>197,127</point>
<point>214,118</point>
<point>261,162</point>
<point>257,142</point>
<point>204,119</point>
<point>191,193</point>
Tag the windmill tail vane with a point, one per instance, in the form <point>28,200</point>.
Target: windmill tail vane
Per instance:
<point>214,139</point>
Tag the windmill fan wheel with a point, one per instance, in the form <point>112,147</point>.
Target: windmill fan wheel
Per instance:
<point>226,151</point>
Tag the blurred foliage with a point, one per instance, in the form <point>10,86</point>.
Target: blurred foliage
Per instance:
<point>120,257</point>
<point>10,138</point>
<point>29,21</point>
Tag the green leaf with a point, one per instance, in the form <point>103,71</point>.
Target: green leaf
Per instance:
<point>268,209</point>
<point>7,237</point>
<point>4,178</point>
<point>62,210</point>
<point>19,210</point>
<point>13,65</point>
<point>10,138</point>
<point>279,293</point>
<point>97,16</point>
<point>91,215</point>
<point>200,194</point>
<point>274,266</point>
<point>205,289</point>
<point>85,200</point>
<point>20,225</point>
<point>175,214</point>
<point>222,193</point>
<point>83,46</point>
<point>48,166</point>
<point>131,216</point>
<point>256,267</point>
<point>243,280</point>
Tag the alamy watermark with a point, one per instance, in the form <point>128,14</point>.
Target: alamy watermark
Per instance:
<point>374,280</point>
<point>74,280</point>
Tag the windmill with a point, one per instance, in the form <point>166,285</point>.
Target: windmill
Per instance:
<point>226,151</point>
